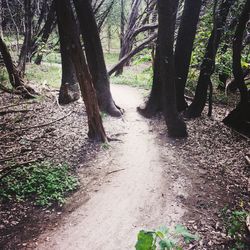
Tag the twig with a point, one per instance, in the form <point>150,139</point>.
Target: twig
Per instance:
<point>37,126</point>
<point>17,104</point>
<point>47,124</point>
<point>15,111</point>
<point>115,171</point>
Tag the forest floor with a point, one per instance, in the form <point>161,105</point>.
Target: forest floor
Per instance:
<point>142,180</point>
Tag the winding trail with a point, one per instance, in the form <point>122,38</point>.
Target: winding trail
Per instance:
<point>142,194</point>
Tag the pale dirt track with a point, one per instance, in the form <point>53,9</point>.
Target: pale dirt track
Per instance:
<point>142,195</point>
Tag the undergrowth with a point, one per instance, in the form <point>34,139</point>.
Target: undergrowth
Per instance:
<point>165,239</point>
<point>235,222</point>
<point>42,183</point>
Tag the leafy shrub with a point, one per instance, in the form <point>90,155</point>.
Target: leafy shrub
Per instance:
<point>44,183</point>
<point>164,239</point>
<point>236,228</point>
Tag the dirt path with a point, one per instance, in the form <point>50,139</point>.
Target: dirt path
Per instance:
<point>142,194</point>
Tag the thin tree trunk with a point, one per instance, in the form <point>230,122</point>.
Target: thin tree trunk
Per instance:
<point>184,47</point>
<point>95,57</point>
<point>16,80</point>
<point>68,29</point>
<point>127,39</point>
<point>24,55</point>
<point>208,64</point>
<point>46,31</point>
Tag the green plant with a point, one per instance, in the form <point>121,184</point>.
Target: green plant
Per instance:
<point>164,239</point>
<point>44,183</point>
<point>235,222</point>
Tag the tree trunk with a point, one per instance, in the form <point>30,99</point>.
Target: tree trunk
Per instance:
<point>208,64</point>
<point>154,102</point>
<point>127,39</point>
<point>25,55</point>
<point>69,90</point>
<point>167,16</point>
<point>184,47</point>
<point>95,57</point>
<point>16,80</point>
<point>46,31</point>
<point>1,18</point>
<point>240,117</point>
<point>66,22</point>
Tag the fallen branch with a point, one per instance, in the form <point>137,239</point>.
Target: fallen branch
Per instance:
<point>37,126</point>
<point>17,104</point>
<point>15,111</point>
<point>47,124</point>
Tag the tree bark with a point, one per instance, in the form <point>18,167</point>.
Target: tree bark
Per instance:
<point>95,57</point>
<point>66,22</point>
<point>240,117</point>
<point>69,90</point>
<point>184,47</point>
<point>154,102</point>
<point>208,64</point>
<point>167,16</point>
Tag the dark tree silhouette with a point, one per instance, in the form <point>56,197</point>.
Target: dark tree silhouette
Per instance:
<point>208,63</point>
<point>95,57</point>
<point>184,47</point>
<point>68,30</point>
<point>240,117</point>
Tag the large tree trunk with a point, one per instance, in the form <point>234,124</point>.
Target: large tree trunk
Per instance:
<point>25,51</point>
<point>208,64</point>
<point>69,90</point>
<point>167,16</point>
<point>240,117</point>
<point>68,29</point>
<point>16,80</point>
<point>95,57</point>
<point>184,47</point>
<point>154,102</point>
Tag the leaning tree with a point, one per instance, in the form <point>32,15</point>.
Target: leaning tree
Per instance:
<point>68,33</point>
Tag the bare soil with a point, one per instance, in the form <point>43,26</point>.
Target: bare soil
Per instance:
<point>142,180</point>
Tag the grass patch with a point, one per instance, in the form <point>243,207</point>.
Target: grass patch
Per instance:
<point>42,183</point>
<point>141,79</point>
<point>45,74</point>
<point>53,57</point>
<point>111,58</point>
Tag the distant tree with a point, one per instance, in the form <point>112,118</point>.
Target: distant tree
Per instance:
<point>68,31</point>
